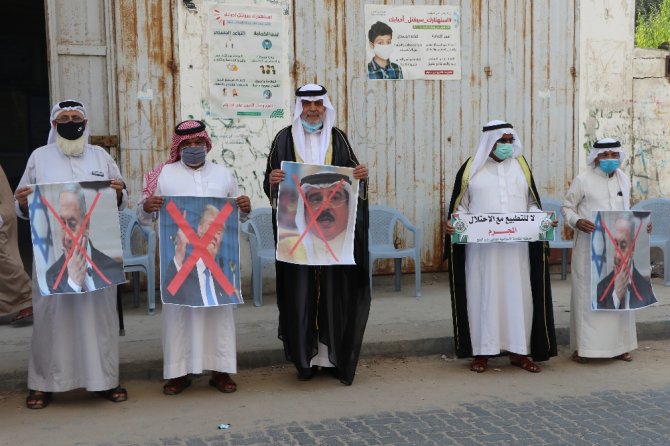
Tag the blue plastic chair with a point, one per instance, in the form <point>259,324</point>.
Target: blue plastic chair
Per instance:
<point>660,233</point>
<point>381,242</point>
<point>550,204</point>
<point>136,263</point>
<point>258,228</point>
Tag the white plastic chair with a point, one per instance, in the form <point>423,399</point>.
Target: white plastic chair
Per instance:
<point>134,263</point>
<point>660,233</point>
<point>550,204</point>
<point>258,228</point>
<point>381,242</point>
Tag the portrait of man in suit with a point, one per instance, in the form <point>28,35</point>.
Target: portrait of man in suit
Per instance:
<point>624,287</point>
<point>80,274</point>
<point>199,288</point>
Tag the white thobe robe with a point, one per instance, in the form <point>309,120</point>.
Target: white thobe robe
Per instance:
<point>497,275</point>
<point>75,339</point>
<point>594,334</point>
<point>196,339</point>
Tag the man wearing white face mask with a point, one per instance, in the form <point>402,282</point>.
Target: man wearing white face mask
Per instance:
<point>603,186</point>
<point>500,292</point>
<point>194,338</point>
<point>380,37</point>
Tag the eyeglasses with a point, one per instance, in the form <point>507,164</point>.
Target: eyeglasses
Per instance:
<point>66,119</point>
<point>316,199</point>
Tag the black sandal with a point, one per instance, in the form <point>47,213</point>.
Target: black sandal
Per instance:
<point>37,399</point>
<point>116,395</point>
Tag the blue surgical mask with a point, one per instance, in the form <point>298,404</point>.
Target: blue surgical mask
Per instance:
<point>311,128</point>
<point>609,165</point>
<point>193,156</point>
<point>503,151</point>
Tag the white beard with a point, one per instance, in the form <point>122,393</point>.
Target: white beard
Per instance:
<point>71,147</point>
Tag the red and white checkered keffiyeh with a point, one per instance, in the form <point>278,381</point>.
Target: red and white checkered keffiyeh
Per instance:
<point>151,177</point>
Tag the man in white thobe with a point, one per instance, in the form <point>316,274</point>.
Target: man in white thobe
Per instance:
<point>501,297</point>
<point>75,336</point>
<point>194,339</point>
<point>602,187</point>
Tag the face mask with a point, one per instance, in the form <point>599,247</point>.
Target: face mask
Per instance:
<point>609,165</point>
<point>193,156</point>
<point>503,151</point>
<point>311,128</point>
<point>383,51</point>
<point>71,130</point>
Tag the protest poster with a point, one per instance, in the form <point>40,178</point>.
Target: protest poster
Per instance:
<point>620,266</point>
<point>76,237</point>
<point>246,64</point>
<point>510,227</point>
<point>199,251</point>
<point>413,42</point>
<point>316,214</point>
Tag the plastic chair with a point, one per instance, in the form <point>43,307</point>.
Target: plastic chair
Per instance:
<point>660,233</point>
<point>258,228</point>
<point>381,242</point>
<point>135,263</point>
<point>550,204</point>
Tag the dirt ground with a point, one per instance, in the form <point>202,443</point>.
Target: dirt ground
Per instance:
<point>270,396</point>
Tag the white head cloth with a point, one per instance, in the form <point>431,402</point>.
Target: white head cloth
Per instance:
<point>66,105</point>
<point>612,145</point>
<point>492,132</point>
<point>310,92</point>
<point>301,224</point>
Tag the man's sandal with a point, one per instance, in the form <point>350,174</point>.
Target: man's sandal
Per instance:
<point>624,357</point>
<point>479,364</point>
<point>116,395</point>
<point>37,399</point>
<point>223,382</point>
<point>23,318</point>
<point>524,363</point>
<point>579,359</point>
<point>175,386</point>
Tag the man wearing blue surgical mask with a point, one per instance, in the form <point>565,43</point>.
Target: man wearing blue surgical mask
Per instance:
<point>501,297</point>
<point>602,186</point>
<point>198,333</point>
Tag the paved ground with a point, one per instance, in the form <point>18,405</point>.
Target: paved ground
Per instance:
<point>398,324</point>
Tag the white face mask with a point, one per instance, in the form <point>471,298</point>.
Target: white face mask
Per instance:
<point>383,51</point>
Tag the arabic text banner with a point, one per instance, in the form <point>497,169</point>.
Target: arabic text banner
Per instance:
<point>511,227</point>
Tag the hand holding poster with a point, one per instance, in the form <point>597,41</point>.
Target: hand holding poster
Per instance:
<point>199,251</point>
<point>76,237</point>
<point>316,214</point>
<point>512,227</point>
<point>620,268</point>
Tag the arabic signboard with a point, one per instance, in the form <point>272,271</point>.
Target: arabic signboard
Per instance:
<point>511,227</point>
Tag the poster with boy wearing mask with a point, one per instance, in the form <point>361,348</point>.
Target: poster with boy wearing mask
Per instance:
<point>413,42</point>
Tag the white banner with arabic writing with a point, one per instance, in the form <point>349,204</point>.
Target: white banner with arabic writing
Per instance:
<point>511,227</point>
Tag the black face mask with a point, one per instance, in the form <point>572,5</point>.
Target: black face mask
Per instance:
<point>71,130</point>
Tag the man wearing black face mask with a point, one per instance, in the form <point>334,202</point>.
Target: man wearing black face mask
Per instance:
<point>62,321</point>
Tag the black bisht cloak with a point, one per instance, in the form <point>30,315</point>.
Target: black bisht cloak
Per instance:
<point>331,300</point>
<point>543,335</point>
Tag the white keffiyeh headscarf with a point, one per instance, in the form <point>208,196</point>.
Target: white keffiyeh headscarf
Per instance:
<point>67,105</point>
<point>492,132</point>
<point>312,92</point>
<point>612,145</point>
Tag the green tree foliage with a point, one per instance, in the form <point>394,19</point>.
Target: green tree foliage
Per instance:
<point>653,23</point>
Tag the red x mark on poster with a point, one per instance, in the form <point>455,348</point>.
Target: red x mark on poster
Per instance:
<point>75,239</point>
<point>624,263</point>
<point>314,215</point>
<point>199,248</point>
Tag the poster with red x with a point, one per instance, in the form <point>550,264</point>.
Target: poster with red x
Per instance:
<point>316,214</point>
<point>620,266</point>
<point>199,251</point>
<point>76,237</point>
